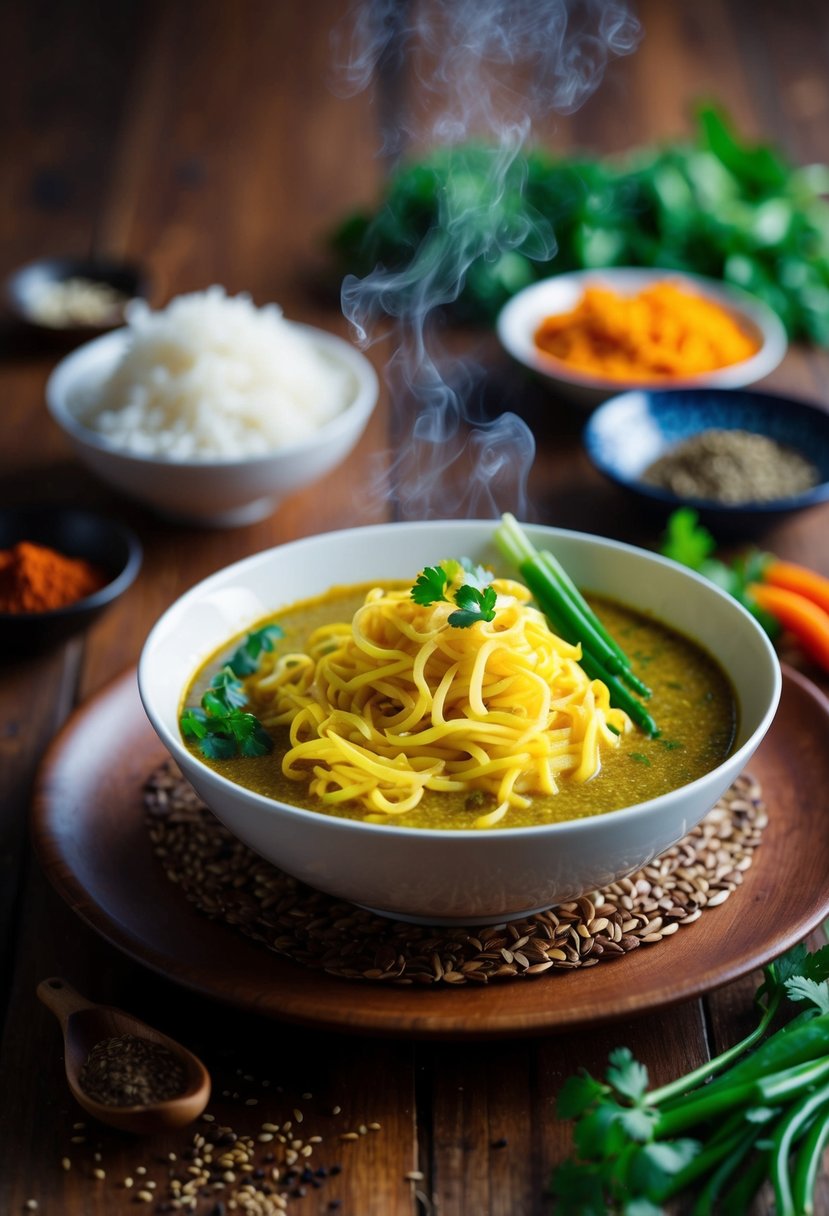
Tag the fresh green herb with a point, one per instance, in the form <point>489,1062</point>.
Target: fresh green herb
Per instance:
<point>759,1110</point>
<point>640,758</point>
<point>713,205</point>
<point>473,605</point>
<point>573,619</point>
<point>224,736</point>
<point>430,586</point>
<point>220,726</point>
<point>457,582</point>
<point>686,541</point>
<point>245,659</point>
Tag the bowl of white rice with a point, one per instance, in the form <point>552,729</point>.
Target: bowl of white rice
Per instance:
<point>212,410</point>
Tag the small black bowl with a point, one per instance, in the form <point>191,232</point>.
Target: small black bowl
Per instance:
<point>632,430</point>
<point>106,543</point>
<point>23,286</point>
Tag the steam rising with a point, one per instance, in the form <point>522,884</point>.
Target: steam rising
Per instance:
<point>483,68</point>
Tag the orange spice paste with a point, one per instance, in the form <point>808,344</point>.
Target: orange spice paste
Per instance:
<point>665,331</point>
<point>34,578</point>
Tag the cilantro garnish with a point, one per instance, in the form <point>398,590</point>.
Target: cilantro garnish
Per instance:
<point>686,541</point>
<point>245,659</point>
<point>430,586</point>
<point>764,1100</point>
<point>221,726</point>
<point>474,598</point>
<point>473,605</point>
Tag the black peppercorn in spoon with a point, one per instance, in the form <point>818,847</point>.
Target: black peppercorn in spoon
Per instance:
<point>92,1033</point>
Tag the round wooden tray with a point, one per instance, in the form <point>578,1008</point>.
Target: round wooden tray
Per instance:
<point>88,829</point>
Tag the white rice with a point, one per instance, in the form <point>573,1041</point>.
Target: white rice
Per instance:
<point>212,376</point>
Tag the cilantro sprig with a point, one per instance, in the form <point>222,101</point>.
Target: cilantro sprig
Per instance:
<point>688,542</point>
<point>460,583</point>
<point>759,1110</point>
<point>220,725</point>
<point>245,659</point>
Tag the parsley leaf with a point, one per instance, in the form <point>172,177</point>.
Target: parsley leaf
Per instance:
<point>627,1076</point>
<point>686,540</point>
<point>430,585</point>
<point>800,988</point>
<point>473,605</point>
<point>220,725</point>
<point>474,596</point>
<point>193,723</point>
<point>245,659</point>
<point>226,692</point>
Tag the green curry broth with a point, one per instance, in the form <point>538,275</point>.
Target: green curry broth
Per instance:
<point>693,704</point>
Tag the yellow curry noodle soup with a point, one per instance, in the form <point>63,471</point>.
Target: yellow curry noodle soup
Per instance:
<point>395,702</point>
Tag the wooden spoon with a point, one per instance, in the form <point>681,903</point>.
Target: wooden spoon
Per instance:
<point>85,1024</point>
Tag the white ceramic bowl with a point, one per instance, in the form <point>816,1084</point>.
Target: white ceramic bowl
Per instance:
<point>520,318</point>
<point>209,492</point>
<point>453,876</point>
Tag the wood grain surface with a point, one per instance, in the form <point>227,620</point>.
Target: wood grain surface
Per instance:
<point>92,842</point>
<point>212,142</point>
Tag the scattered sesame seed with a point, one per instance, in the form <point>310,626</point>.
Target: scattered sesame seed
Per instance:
<point>251,1101</point>
<point>374,1127</point>
<point>77,1140</point>
<point>414,1176</point>
<point>336,1110</point>
<point>144,1197</point>
<point>31,1205</point>
<point>65,1163</point>
<point>99,1174</point>
<point>128,1182</point>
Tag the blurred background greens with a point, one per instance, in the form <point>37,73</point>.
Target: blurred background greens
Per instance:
<point>714,204</point>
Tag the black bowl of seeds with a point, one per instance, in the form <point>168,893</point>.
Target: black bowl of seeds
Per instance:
<point>68,300</point>
<point>744,460</point>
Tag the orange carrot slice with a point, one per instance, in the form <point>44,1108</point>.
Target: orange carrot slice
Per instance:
<point>802,617</point>
<point>798,578</point>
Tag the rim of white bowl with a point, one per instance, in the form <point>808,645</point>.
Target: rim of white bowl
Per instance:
<point>588,824</point>
<point>113,344</point>
<point>520,316</point>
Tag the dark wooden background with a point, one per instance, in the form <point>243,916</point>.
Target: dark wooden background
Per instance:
<point>203,139</point>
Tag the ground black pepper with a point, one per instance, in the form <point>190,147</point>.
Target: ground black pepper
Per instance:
<point>732,466</point>
<point>130,1071</point>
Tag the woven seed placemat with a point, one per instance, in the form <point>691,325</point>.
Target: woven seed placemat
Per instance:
<point>230,883</point>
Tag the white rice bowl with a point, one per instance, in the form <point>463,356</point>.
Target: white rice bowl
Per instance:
<point>212,376</point>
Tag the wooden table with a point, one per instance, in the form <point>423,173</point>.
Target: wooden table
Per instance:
<point>203,139</point>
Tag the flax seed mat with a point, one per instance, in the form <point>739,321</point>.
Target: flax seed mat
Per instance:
<point>229,883</point>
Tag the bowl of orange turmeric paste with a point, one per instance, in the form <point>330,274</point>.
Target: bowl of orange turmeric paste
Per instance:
<point>595,333</point>
<point>60,567</point>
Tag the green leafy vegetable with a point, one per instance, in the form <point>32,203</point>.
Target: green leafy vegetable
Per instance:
<point>473,605</point>
<point>220,726</point>
<point>245,659</point>
<point>430,586</point>
<point>457,582</point>
<point>689,543</point>
<point>714,205</point>
<point>765,1114</point>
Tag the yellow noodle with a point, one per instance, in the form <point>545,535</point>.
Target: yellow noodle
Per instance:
<point>398,701</point>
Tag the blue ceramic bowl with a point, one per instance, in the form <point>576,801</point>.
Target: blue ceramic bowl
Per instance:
<point>632,430</point>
